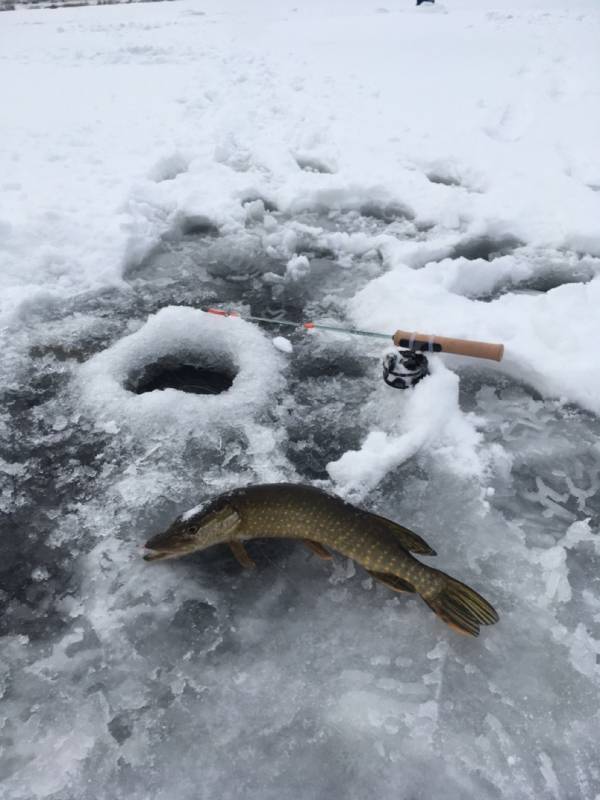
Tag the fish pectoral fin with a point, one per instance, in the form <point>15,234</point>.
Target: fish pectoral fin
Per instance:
<point>393,582</point>
<point>318,549</point>
<point>241,554</point>
<point>408,539</point>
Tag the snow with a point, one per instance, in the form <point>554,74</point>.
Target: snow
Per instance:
<point>191,512</point>
<point>428,417</point>
<point>298,267</point>
<point>382,166</point>
<point>191,336</point>
<point>282,344</point>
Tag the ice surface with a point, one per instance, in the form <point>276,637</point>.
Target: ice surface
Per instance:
<point>331,162</point>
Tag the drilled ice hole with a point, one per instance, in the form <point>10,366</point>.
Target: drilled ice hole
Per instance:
<point>183,375</point>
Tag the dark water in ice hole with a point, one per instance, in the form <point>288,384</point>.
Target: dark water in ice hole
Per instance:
<point>165,374</point>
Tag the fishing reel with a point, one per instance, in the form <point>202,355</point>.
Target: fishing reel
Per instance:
<point>404,368</point>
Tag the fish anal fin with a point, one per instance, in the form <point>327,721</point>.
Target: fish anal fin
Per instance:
<point>241,555</point>
<point>318,549</point>
<point>393,582</point>
<point>408,539</point>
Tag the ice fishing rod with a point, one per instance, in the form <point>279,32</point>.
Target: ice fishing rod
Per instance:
<point>410,340</point>
<point>409,365</point>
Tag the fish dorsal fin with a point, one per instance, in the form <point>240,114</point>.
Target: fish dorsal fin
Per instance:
<point>393,582</point>
<point>410,541</point>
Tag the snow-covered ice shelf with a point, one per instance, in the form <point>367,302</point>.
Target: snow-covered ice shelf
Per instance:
<point>378,166</point>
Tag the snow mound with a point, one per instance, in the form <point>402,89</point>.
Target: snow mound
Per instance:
<point>192,337</point>
<point>546,335</point>
<point>403,423</point>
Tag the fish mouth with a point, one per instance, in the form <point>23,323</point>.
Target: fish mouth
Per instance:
<point>159,555</point>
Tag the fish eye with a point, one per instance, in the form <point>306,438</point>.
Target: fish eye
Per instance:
<point>191,530</point>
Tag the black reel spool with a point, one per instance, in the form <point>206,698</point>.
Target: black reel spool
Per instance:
<point>404,369</point>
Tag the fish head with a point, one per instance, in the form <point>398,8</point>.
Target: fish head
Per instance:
<point>203,528</point>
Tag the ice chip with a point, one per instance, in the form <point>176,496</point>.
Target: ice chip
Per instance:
<point>283,344</point>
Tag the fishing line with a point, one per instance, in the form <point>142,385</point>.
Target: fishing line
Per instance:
<point>408,365</point>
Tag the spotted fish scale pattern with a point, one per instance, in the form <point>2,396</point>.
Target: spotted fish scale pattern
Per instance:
<point>322,520</point>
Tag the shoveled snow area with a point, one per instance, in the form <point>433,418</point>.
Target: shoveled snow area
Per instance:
<point>375,165</point>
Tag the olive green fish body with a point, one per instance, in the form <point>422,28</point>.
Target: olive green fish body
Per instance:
<point>296,511</point>
<point>281,511</point>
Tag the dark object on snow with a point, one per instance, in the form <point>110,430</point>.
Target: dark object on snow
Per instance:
<point>425,1</point>
<point>296,511</point>
<point>404,369</point>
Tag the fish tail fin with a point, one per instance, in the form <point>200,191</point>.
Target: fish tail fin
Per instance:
<point>461,607</point>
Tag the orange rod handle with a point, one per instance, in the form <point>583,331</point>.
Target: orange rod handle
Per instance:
<point>443,344</point>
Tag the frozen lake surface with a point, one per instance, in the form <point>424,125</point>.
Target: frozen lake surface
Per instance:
<point>296,163</point>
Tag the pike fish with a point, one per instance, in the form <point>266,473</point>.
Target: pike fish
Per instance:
<point>297,511</point>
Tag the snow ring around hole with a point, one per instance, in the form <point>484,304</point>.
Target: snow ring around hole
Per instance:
<point>190,336</point>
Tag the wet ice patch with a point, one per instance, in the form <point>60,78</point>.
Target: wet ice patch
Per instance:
<point>275,265</point>
<point>190,337</point>
<point>329,381</point>
<point>552,454</point>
